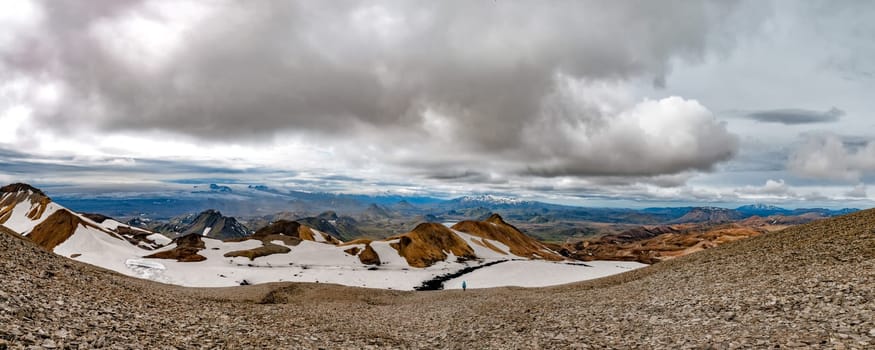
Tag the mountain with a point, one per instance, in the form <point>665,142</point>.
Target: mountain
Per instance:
<point>809,286</point>
<point>496,229</point>
<point>765,210</point>
<point>489,200</point>
<point>211,223</point>
<point>760,209</point>
<point>86,237</point>
<point>429,243</point>
<point>651,245</point>
<point>284,228</point>
<point>403,205</point>
<point>311,249</point>
<point>422,254</point>
<point>232,199</point>
<point>281,251</point>
<point>710,215</point>
<point>341,227</point>
<point>376,212</point>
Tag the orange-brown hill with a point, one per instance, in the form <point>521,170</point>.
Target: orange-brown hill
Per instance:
<point>186,250</point>
<point>55,229</point>
<point>427,244</point>
<point>366,255</point>
<point>654,244</point>
<point>285,229</point>
<point>62,224</point>
<point>495,228</point>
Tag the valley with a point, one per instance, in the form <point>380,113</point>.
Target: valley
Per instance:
<point>725,297</point>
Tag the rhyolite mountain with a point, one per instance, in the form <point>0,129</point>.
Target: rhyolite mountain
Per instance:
<point>86,237</point>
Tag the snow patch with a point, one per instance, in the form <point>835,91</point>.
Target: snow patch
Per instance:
<point>318,236</point>
<point>159,239</point>
<point>485,252</point>
<point>539,273</point>
<point>18,220</point>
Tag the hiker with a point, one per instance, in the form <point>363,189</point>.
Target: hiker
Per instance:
<point>464,286</point>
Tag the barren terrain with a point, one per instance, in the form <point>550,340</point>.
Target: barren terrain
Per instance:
<point>808,286</point>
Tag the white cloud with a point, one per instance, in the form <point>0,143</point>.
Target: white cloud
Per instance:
<point>825,156</point>
<point>18,18</point>
<point>775,187</point>
<point>772,190</point>
<point>859,191</point>
<point>595,129</point>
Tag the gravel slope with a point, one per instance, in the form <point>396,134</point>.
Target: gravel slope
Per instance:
<point>809,286</point>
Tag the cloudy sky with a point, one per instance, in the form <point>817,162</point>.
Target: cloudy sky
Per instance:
<point>616,103</point>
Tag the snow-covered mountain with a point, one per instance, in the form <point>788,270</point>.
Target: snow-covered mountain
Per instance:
<point>488,199</point>
<point>288,250</point>
<point>29,212</point>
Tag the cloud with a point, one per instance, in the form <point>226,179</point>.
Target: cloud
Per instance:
<point>652,137</point>
<point>521,87</point>
<point>859,191</point>
<point>826,156</point>
<point>773,187</point>
<point>771,190</point>
<point>797,116</point>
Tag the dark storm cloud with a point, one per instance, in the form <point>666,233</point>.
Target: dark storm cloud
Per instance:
<point>491,72</point>
<point>466,176</point>
<point>797,116</point>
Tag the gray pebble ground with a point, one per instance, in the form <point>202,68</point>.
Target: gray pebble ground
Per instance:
<point>811,286</point>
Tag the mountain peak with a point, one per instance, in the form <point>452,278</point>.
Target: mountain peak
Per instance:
<point>761,206</point>
<point>211,212</point>
<point>30,199</point>
<point>22,187</point>
<point>488,198</point>
<point>328,215</point>
<point>496,219</point>
<point>212,223</point>
<point>496,229</point>
<point>429,243</point>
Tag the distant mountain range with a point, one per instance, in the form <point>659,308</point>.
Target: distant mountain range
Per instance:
<point>344,249</point>
<point>256,200</point>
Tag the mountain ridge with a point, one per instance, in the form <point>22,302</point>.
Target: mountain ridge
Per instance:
<point>198,257</point>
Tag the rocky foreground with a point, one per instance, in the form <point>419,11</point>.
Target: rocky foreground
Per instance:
<point>809,286</point>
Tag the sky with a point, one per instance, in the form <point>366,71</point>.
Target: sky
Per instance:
<point>592,103</point>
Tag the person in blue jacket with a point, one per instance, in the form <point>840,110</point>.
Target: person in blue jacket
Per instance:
<point>464,286</point>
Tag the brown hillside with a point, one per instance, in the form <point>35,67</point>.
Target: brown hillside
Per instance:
<point>279,227</point>
<point>137,237</point>
<point>290,232</point>
<point>366,255</point>
<point>495,228</point>
<point>264,250</point>
<point>427,244</point>
<point>186,250</point>
<point>280,230</point>
<point>369,257</point>
<point>652,245</point>
<point>55,229</point>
